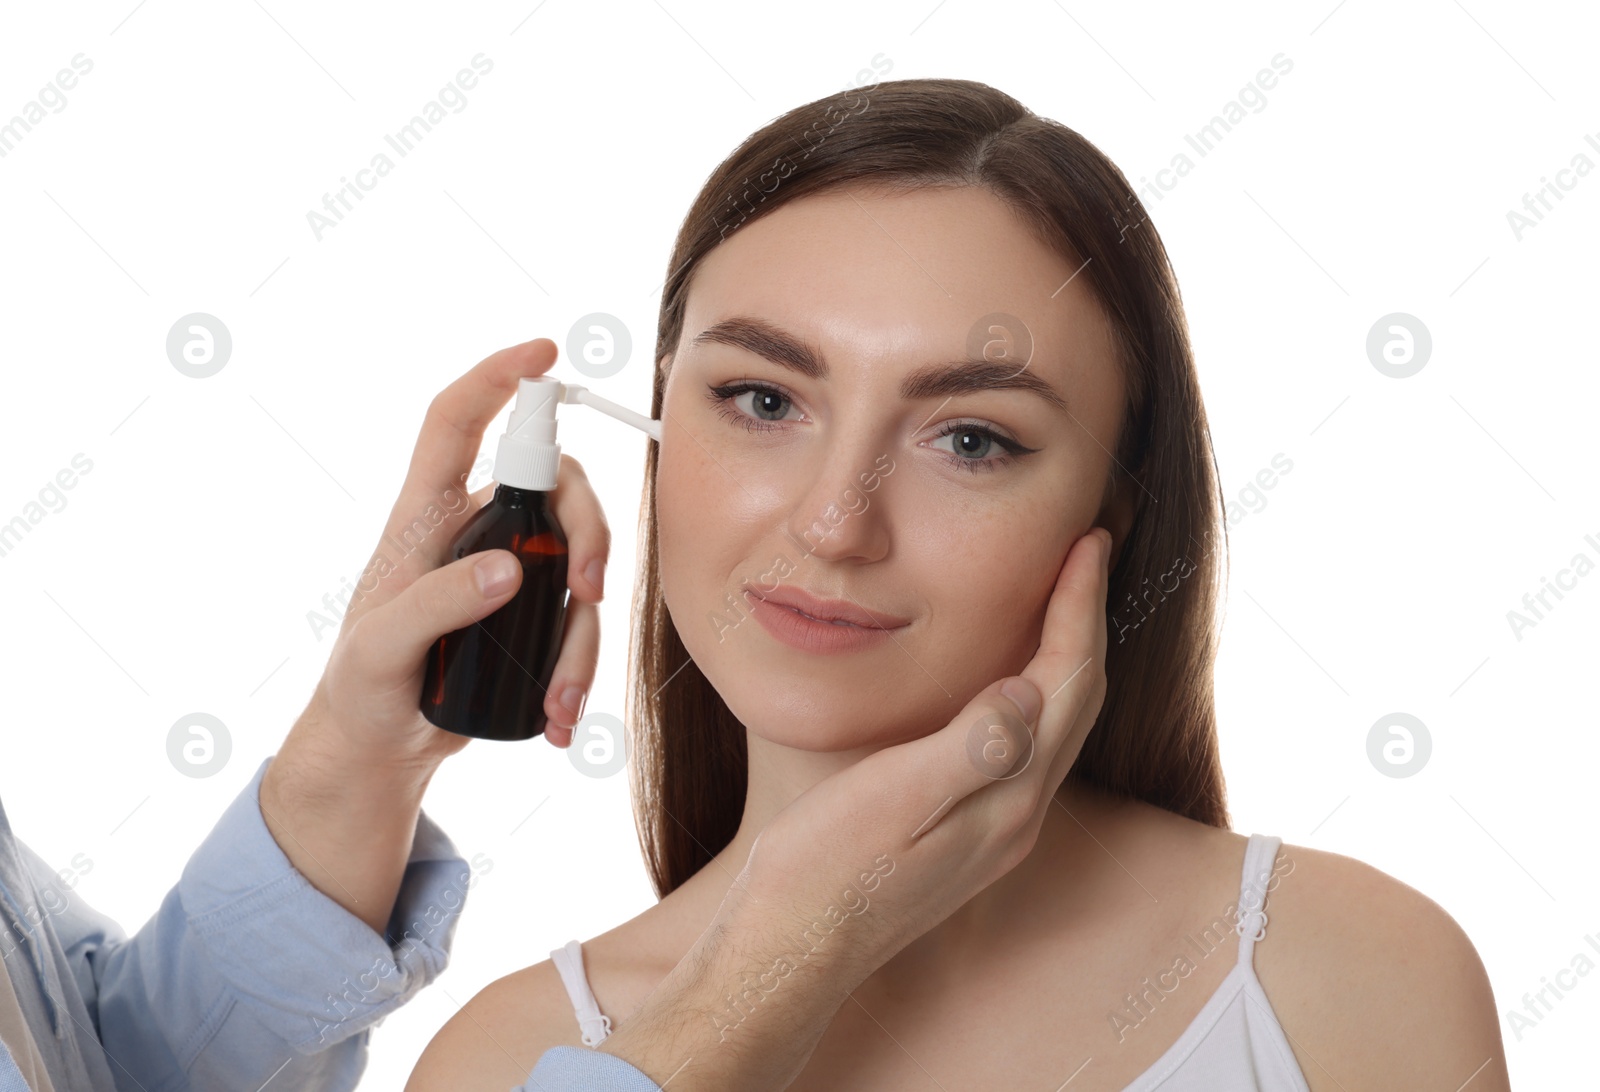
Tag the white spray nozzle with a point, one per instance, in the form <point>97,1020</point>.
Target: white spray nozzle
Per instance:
<point>571,392</point>
<point>528,455</point>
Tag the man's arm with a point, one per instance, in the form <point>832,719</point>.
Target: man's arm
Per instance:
<point>248,973</point>
<point>344,821</point>
<point>672,1037</point>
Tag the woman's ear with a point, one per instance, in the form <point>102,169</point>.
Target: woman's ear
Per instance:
<point>1117,517</point>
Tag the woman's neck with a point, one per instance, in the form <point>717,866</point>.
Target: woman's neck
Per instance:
<point>1071,848</point>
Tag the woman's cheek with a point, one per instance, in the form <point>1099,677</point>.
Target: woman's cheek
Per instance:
<point>1002,607</point>
<point>693,532</point>
<point>673,517</point>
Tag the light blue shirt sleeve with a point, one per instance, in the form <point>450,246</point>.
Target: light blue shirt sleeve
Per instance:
<point>576,1069</point>
<point>10,1076</point>
<point>247,974</point>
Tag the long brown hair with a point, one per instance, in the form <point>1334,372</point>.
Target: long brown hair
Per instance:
<point>1155,739</point>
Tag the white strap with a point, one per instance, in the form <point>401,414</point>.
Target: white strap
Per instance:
<point>1259,856</point>
<point>569,963</point>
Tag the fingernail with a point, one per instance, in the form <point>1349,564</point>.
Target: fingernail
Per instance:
<point>1025,694</point>
<point>572,698</point>
<point>495,574</point>
<point>596,574</point>
<point>1105,549</point>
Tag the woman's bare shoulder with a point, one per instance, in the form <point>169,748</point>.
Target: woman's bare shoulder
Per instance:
<point>1374,983</point>
<point>497,1037</point>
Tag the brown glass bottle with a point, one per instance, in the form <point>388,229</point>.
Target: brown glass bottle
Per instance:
<point>488,680</point>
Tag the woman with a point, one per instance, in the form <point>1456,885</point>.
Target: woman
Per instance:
<point>915,344</point>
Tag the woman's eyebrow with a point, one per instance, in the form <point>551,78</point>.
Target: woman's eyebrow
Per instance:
<point>931,381</point>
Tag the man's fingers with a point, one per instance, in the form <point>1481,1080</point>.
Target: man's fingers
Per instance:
<point>583,521</point>
<point>574,671</point>
<point>1072,643</point>
<point>433,502</point>
<point>452,431</point>
<point>988,742</point>
<point>1012,732</point>
<point>391,640</point>
<point>1083,695</point>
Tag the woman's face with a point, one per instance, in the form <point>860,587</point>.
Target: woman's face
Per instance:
<point>887,482</point>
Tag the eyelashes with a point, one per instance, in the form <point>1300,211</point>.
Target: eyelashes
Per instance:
<point>722,398</point>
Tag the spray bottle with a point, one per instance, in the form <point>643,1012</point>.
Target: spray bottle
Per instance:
<point>488,680</point>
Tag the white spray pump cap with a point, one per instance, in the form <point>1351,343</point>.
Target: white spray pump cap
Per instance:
<point>529,456</point>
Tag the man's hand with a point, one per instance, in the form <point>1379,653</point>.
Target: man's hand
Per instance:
<point>882,851</point>
<point>343,794</point>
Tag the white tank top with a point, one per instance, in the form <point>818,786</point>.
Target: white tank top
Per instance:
<point>1234,1044</point>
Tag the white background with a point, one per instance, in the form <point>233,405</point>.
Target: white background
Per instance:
<point>1377,577</point>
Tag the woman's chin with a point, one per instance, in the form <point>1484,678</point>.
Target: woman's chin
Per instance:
<point>822,727</point>
<point>811,736</point>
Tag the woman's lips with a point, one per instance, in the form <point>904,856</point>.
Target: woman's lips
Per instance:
<point>800,631</point>
<point>830,621</point>
<point>826,610</point>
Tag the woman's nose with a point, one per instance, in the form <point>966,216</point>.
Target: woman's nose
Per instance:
<point>839,510</point>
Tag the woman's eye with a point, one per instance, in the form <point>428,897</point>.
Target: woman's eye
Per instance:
<point>764,410</point>
<point>972,446</point>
